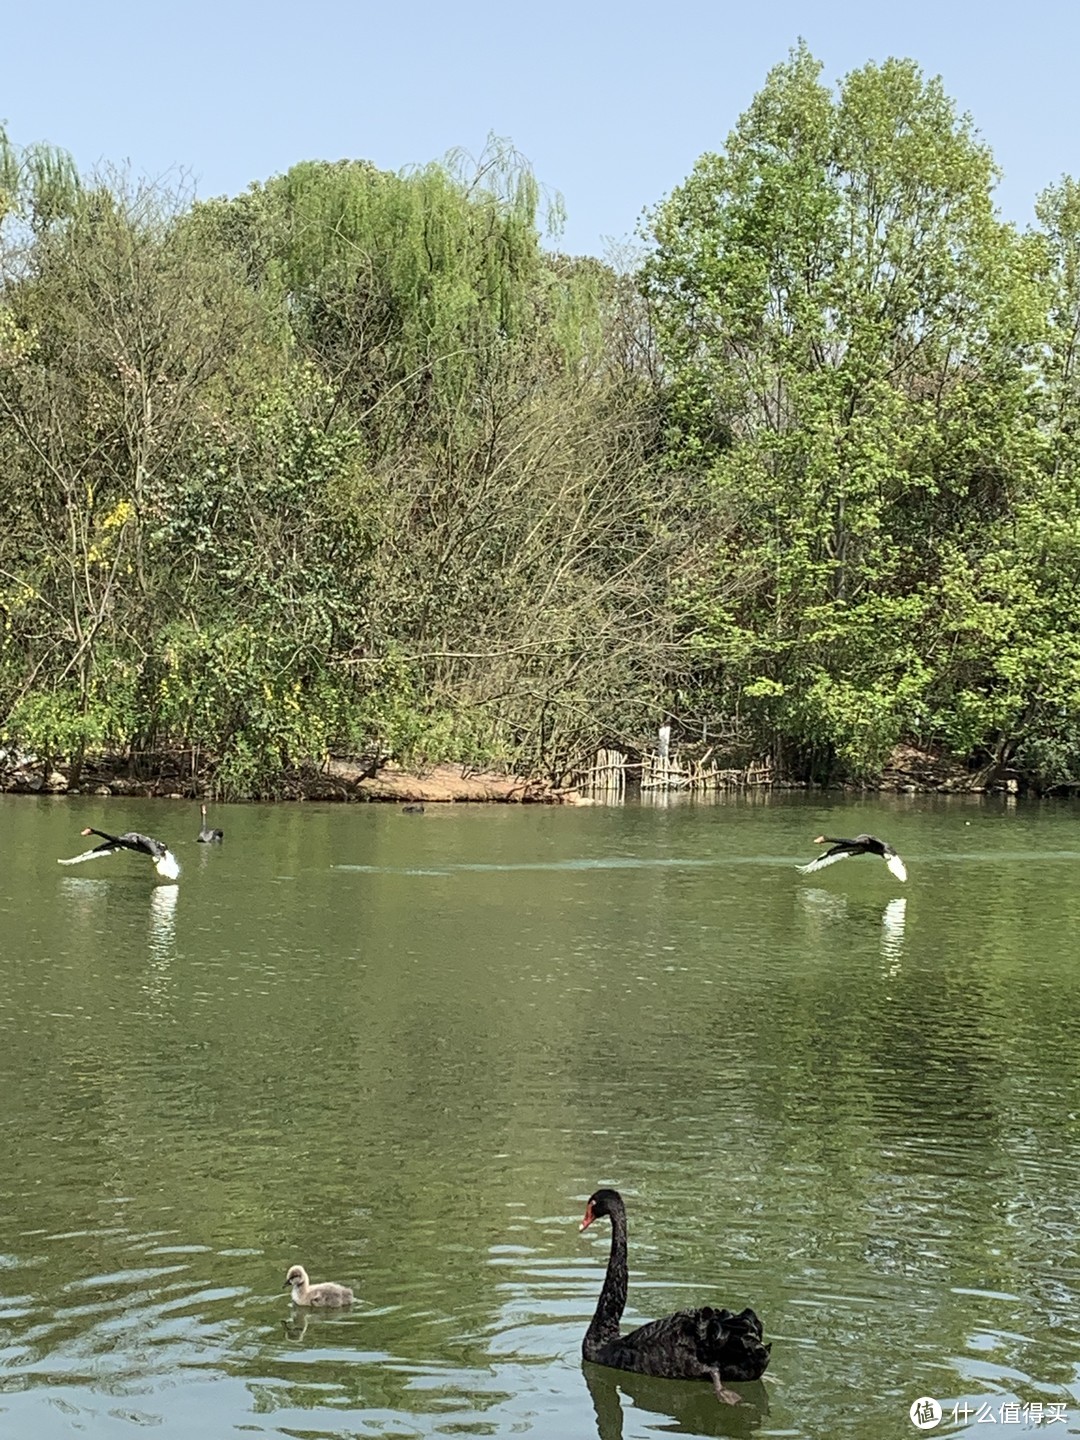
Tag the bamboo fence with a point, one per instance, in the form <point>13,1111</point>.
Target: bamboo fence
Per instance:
<point>660,772</point>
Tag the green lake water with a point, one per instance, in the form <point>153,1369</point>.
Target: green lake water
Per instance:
<point>403,1050</point>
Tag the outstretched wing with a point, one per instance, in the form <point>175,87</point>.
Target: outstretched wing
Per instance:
<point>896,865</point>
<point>94,854</point>
<point>167,865</point>
<point>822,860</point>
<point>165,862</point>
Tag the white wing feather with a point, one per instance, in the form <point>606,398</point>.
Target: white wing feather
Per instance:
<point>94,854</point>
<point>820,863</point>
<point>167,866</point>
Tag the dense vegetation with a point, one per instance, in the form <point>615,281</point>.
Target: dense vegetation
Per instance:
<point>351,463</point>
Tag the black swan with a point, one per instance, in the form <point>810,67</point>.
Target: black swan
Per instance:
<point>861,845</point>
<point>706,1344</point>
<point>208,836</point>
<point>326,1295</point>
<point>165,862</point>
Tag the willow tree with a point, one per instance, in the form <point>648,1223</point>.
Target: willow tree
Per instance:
<point>408,290</point>
<point>38,184</point>
<point>499,472</point>
<point>844,324</point>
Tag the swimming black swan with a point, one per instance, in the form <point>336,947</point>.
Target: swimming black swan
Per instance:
<point>208,836</point>
<point>165,862</point>
<point>861,845</point>
<point>706,1344</point>
<point>327,1294</point>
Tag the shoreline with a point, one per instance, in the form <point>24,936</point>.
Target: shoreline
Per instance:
<point>180,776</point>
<point>340,781</point>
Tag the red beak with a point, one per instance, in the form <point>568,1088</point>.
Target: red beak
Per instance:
<point>589,1217</point>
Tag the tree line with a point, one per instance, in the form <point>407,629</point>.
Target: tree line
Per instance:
<point>354,463</point>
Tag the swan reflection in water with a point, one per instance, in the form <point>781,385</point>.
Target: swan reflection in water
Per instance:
<point>689,1407</point>
<point>84,898</point>
<point>822,905</point>
<point>163,922</point>
<point>87,898</point>
<point>299,1318</point>
<point>158,984</point>
<point>892,934</point>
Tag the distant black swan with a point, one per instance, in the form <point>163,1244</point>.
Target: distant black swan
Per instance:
<point>208,836</point>
<point>165,862</point>
<point>706,1344</point>
<point>861,845</point>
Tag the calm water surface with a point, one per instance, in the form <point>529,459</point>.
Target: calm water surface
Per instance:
<point>403,1050</point>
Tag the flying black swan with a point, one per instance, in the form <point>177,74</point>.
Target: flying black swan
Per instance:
<point>165,862</point>
<point>706,1344</point>
<point>208,836</point>
<point>861,845</point>
<point>327,1295</point>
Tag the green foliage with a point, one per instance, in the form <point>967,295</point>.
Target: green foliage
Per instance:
<point>410,290</point>
<point>852,338</point>
<point>350,463</point>
<point>62,723</point>
<point>333,466</point>
<point>38,183</point>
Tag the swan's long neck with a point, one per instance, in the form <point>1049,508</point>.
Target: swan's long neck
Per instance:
<point>604,1325</point>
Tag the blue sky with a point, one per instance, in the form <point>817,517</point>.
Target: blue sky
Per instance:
<point>612,103</point>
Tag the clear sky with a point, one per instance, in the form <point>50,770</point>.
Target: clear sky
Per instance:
<point>611,102</point>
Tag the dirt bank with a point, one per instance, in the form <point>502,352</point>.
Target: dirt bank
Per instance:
<point>175,777</point>
<point>183,776</point>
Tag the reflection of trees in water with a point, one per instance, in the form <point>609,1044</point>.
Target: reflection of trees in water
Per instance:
<point>690,1406</point>
<point>823,905</point>
<point>470,1083</point>
<point>301,1318</point>
<point>84,895</point>
<point>345,1375</point>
